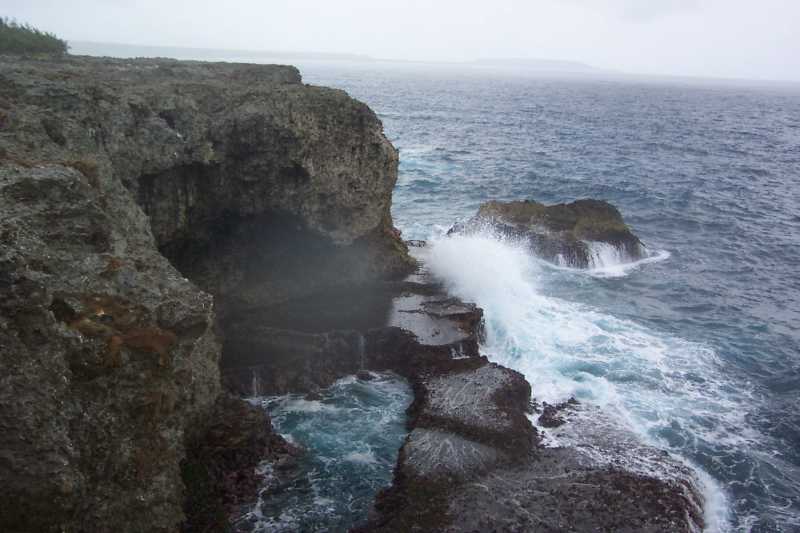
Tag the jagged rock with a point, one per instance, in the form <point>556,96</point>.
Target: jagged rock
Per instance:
<point>552,416</point>
<point>108,355</point>
<point>473,462</point>
<point>468,420</point>
<point>257,188</point>
<point>560,233</point>
<point>478,400</point>
<point>221,468</point>
<point>599,478</point>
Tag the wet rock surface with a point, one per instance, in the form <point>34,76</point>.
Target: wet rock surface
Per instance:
<point>221,471</point>
<point>597,476</point>
<point>473,461</point>
<point>559,233</point>
<point>552,416</point>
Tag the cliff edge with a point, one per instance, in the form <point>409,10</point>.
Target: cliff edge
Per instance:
<point>144,202</point>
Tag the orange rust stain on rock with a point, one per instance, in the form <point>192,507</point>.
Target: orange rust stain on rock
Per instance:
<point>152,339</point>
<point>89,328</point>
<point>125,326</point>
<point>113,265</point>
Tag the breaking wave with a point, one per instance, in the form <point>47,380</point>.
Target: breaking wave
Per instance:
<point>670,392</point>
<point>609,261</point>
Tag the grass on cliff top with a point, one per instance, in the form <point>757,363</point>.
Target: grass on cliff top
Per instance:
<point>25,39</point>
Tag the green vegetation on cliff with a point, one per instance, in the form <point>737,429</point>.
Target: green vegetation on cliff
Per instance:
<point>24,39</point>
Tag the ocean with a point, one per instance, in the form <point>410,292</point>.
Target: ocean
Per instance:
<point>697,348</point>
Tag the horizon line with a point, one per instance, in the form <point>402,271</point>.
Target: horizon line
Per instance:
<point>586,69</point>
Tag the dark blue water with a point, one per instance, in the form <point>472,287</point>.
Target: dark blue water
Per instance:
<point>700,350</point>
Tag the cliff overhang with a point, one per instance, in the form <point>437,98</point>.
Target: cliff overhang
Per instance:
<point>146,204</point>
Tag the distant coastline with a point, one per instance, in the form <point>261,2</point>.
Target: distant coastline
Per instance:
<point>181,52</point>
<point>515,66</point>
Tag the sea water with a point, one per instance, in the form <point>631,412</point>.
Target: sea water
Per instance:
<point>350,435</point>
<point>696,347</point>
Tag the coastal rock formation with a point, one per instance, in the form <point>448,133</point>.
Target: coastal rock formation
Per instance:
<point>219,471</point>
<point>258,188</point>
<point>160,217</point>
<point>145,205</point>
<point>474,462</point>
<point>565,234</point>
<point>108,356</point>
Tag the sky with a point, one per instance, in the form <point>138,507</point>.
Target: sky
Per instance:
<point>750,39</point>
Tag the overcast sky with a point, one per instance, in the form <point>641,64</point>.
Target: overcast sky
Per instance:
<point>758,39</point>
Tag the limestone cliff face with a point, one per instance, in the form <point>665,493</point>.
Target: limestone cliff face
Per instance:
<point>108,357</point>
<point>252,181</point>
<point>119,180</point>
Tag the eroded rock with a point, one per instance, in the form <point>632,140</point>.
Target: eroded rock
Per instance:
<point>221,471</point>
<point>257,188</point>
<point>473,462</point>
<point>565,234</point>
<point>109,359</point>
<point>596,476</point>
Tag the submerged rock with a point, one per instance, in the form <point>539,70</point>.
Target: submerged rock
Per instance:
<point>564,234</point>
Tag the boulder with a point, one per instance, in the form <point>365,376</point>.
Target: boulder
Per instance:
<point>566,234</point>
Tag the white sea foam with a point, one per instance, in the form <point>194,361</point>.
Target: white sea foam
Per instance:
<point>298,405</point>
<point>365,458</point>
<point>654,383</point>
<point>609,261</point>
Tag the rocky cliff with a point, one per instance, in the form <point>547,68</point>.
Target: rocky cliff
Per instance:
<point>145,204</point>
<point>166,223</point>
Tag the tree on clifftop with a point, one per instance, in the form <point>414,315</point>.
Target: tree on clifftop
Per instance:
<point>24,39</point>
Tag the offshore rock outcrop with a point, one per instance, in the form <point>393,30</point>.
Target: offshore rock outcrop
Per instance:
<point>564,234</point>
<point>145,205</point>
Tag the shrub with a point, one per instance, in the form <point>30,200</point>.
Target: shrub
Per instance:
<point>24,39</point>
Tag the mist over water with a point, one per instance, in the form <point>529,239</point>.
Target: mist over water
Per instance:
<point>696,347</point>
<point>571,350</point>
